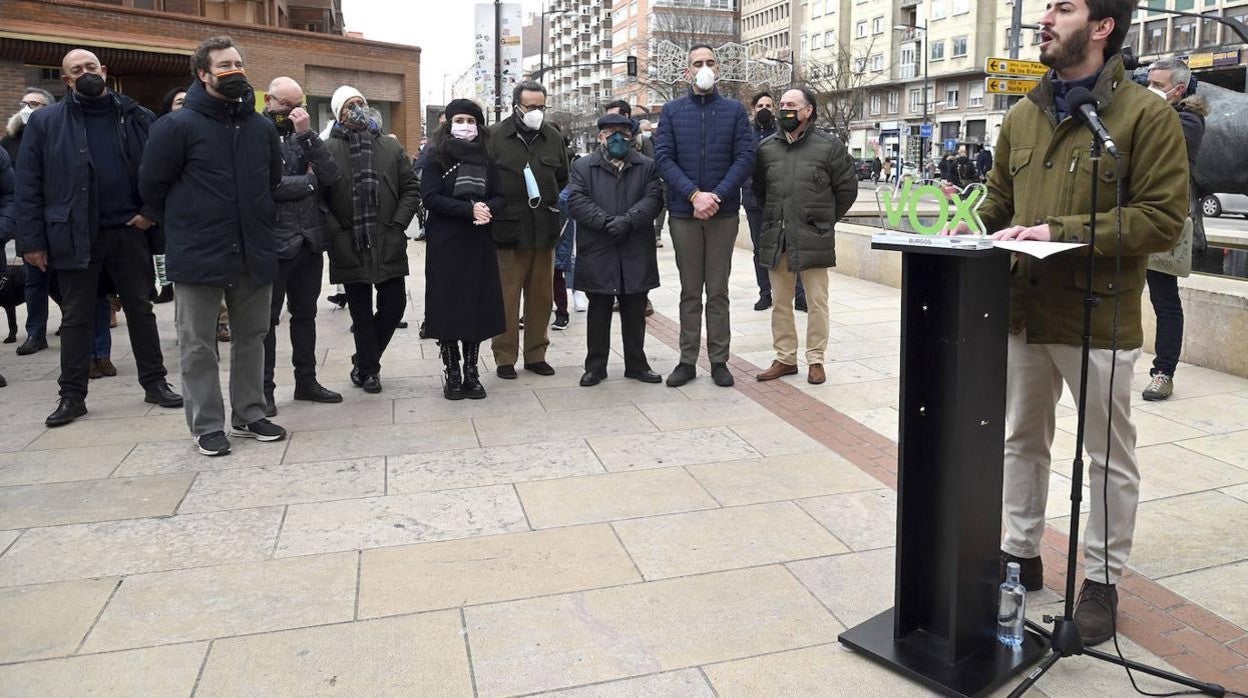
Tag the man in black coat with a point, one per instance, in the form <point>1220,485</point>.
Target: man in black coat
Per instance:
<point>81,214</point>
<point>301,235</point>
<point>614,195</point>
<point>209,174</point>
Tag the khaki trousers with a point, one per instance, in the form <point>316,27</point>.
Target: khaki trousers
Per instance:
<point>528,272</point>
<point>783,325</point>
<point>704,261</point>
<point>1034,377</point>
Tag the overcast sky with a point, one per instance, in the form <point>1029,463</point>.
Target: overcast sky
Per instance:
<point>441,28</point>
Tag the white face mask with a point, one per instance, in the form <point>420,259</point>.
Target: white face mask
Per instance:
<point>533,119</point>
<point>705,78</point>
<point>1159,93</point>
<point>24,114</point>
<point>464,132</point>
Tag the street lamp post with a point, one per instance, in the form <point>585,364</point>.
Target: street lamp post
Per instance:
<point>923,52</point>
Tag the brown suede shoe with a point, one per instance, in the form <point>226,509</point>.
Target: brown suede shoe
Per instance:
<point>93,371</point>
<point>816,376</point>
<point>777,369</point>
<point>106,367</point>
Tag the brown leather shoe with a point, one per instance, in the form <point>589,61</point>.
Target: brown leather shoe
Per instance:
<point>106,367</point>
<point>815,375</point>
<point>777,369</point>
<point>93,371</point>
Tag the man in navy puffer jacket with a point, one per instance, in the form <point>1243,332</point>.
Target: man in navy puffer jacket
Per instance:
<point>705,153</point>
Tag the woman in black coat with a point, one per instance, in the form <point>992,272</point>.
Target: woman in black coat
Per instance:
<point>461,191</point>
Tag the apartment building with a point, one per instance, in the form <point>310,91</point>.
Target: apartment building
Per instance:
<point>640,26</point>
<point>580,50</point>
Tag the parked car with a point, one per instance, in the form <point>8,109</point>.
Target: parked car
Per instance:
<point>1217,204</point>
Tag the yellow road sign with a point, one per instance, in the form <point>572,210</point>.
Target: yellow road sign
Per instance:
<point>1009,86</point>
<point>1006,66</point>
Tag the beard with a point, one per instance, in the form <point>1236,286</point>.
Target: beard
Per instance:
<point>1064,52</point>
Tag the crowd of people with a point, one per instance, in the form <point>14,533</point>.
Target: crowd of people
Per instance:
<point>244,205</point>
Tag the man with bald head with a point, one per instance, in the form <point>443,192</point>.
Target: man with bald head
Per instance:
<point>80,213</point>
<point>301,238</point>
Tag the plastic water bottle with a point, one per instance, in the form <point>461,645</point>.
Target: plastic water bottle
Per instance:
<point>1011,608</point>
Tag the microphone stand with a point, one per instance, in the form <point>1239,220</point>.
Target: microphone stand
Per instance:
<point>1065,639</point>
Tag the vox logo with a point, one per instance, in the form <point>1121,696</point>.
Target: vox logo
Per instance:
<point>930,201</point>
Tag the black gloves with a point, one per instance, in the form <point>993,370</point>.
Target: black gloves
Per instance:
<point>617,229</point>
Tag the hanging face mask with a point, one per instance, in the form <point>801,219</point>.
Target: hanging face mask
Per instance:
<point>788,120</point>
<point>24,115</point>
<point>704,79</point>
<point>464,132</point>
<point>765,118</point>
<point>89,85</point>
<point>1158,92</point>
<point>357,117</point>
<point>533,119</point>
<point>232,84</point>
<point>531,188</point>
<point>618,146</point>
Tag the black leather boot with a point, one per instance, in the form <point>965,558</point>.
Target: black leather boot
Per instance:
<point>473,390</point>
<point>453,388</point>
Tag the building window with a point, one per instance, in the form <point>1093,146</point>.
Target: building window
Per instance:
<point>1154,37</point>
<point>877,25</point>
<point>816,8</point>
<point>959,47</point>
<point>804,48</point>
<point>877,62</point>
<point>1209,30</point>
<point>894,102</point>
<point>961,7</point>
<point>939,10</point>
<point>876,104</point>
<point>975,94</point>
<point>816,42</point>
<point>1184,33</point>
<point>860,29</point>
<point>951,97</point>
<point>1132,40</point>
<point>915,105</point>
<point>829,38</point>
<point>938,50</point>
<point>907,61</point>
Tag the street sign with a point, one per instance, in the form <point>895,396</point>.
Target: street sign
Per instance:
<point>925,131</point>
<point>951,144</point>
<point>1009,86</point>
<point>1007,66</point>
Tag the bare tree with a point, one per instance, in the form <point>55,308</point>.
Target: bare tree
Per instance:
<point>684,27</point>
<point>840,80</point>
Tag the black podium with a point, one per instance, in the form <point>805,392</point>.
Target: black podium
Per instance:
<point>954,324</point>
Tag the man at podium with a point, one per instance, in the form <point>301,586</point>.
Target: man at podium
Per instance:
<point>1040,189</point>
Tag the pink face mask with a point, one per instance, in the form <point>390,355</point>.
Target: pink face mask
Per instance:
<point>464,132</point>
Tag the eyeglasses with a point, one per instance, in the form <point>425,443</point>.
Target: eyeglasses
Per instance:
<point>33,104</point>
<point>535,107</point>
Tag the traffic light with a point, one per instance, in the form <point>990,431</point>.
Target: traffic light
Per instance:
<point>632,66</point>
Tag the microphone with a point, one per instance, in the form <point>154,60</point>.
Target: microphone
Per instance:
<point>1081,104</point>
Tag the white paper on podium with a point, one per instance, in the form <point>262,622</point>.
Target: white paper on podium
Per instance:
<point>1036,248</point>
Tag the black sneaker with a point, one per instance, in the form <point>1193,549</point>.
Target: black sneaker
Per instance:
<point>683,373</point>
<point>214,444</point>
<point>721,375</point>
<point>560,323</point>
<point>1095,615</point>
<point>1030,570</point>
<point>260,430</point>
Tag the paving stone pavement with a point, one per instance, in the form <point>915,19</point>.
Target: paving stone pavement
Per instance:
<point>624,540</point>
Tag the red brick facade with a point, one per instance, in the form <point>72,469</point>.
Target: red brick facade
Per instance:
<point>269,51</point>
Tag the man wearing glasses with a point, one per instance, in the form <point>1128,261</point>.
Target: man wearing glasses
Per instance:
<point>36,290</point>
<point>534,168</point>
<point>301,237</point>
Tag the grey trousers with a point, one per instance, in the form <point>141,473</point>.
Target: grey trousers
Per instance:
<point>197,309</point>
<point>704,260</point>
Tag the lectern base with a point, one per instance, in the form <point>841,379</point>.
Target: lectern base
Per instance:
<point>975,675</point>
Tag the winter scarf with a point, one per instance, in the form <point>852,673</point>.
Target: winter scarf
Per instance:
<point>467,160</point>
<point>364,189</point>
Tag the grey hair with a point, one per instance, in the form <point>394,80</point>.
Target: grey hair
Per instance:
<point>42,93</point>
<point>1180,74</point>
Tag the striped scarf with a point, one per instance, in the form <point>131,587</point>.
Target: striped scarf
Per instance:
<point>364,189</point>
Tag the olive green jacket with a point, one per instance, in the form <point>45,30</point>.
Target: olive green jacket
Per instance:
<point>803,187</point>
<point>520,225</point>
<point>1042,173</point>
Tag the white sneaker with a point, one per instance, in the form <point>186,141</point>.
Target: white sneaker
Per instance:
<point>580,302</point>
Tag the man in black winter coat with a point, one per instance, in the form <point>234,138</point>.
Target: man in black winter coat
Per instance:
<point>614,195</point>
<point>80,213</point>
<point>209,174</point>
<point>301,233</point>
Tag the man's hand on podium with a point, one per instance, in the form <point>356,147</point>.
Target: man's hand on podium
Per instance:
<point>960,229</point>
<point>1020,232</point>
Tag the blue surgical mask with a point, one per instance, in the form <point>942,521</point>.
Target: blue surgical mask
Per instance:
<point>618,145</point>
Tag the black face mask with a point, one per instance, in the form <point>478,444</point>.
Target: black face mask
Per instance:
<point>788,120</point>
<point>89,85</point>
<point>281,119</point>
<point>232,84</point>
<point>765,118</point>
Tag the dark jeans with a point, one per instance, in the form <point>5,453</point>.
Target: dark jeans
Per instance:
<point>632,326</point>
<point>36,302</point>
<point>374,330</point>
<point>1163,290</point>
<point>124,253</point>
<point>298,283</point>
<point>102,341</point>
<point>754,216</point>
